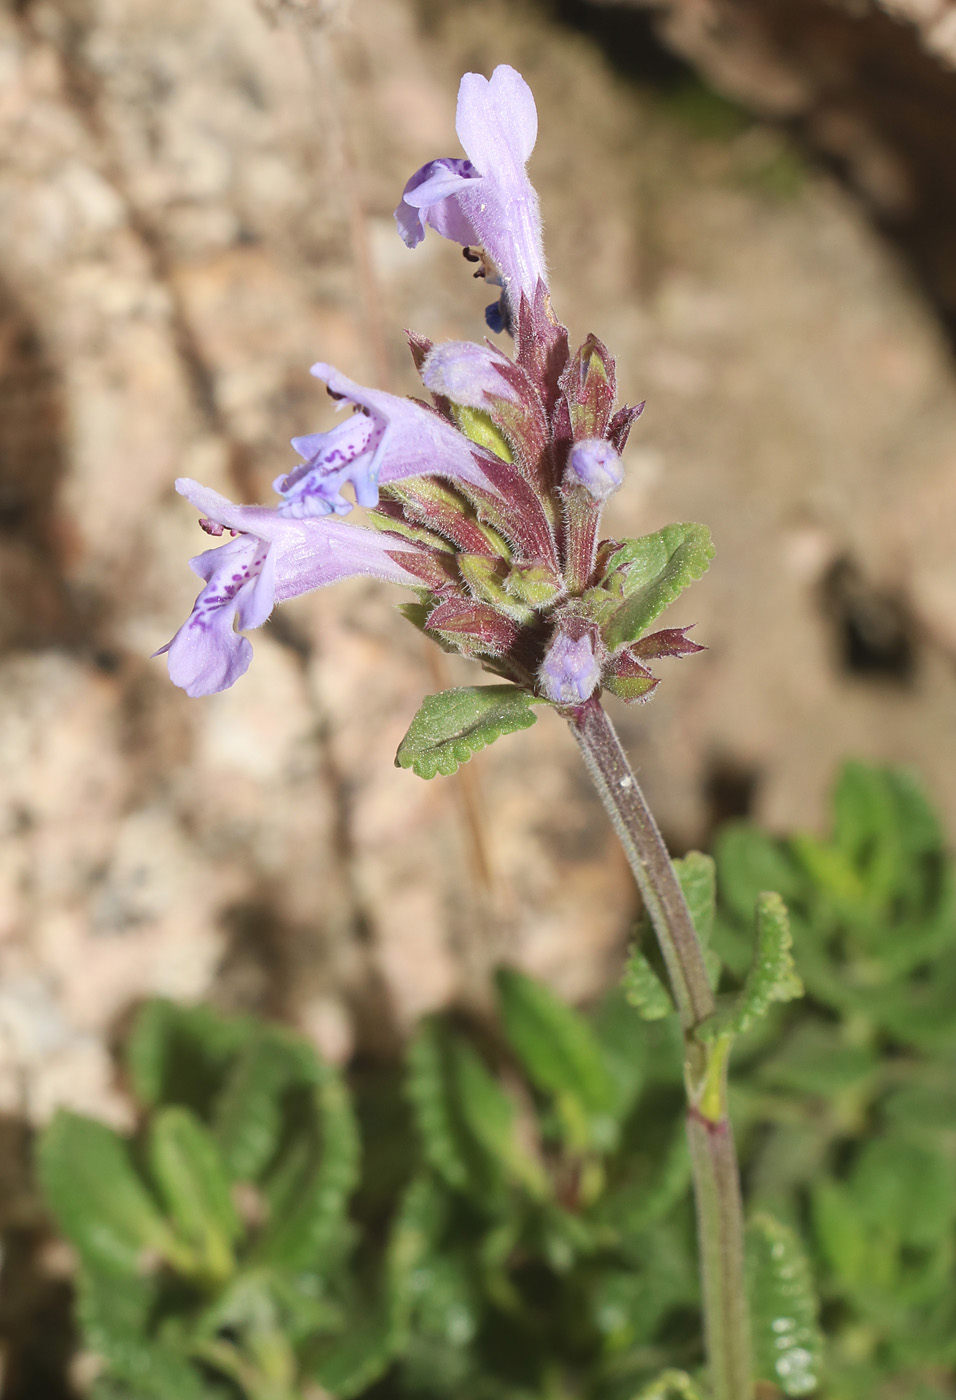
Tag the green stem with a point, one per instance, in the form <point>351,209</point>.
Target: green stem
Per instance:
<point>713,1157</point>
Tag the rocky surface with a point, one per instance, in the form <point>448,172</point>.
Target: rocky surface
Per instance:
<point>868,85</point>
<point>195,203</point>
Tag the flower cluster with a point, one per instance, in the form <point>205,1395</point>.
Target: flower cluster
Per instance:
<point>485,501</point>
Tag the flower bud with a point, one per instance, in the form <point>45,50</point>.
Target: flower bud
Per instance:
<point>570,672</point>
<point>593,463</point>
<point>467,374</point>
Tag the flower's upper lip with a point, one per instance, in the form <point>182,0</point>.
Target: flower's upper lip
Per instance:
<point>488,199</point>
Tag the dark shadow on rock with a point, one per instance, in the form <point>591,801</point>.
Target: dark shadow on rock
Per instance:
<point>37,1335</point>
<point>873,630</point>
<point>859,91</point>
<point>35,607</point>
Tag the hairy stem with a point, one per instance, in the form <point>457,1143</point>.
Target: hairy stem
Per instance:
<point>713,1157</point>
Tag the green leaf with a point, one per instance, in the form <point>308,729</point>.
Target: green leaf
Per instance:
<point>248,1113</point>
<point>192,1180</point>
<point>449,1142</point>
<point>651,572</point>
<point>748,862</point>
<point>419,1222</point>
<point>773,976</point>
<point>490,1115</point>
<point>908,1184</point>
<point>114,1315</point>
<point>696,874</point>
<point>844,1236</point>
<point>99,1202</point>
<point>624,1048</point>
<point>179,1054</point>
<point>309,1192</point>
<point>788,1345</point>
<point>352,1362</point>
<point>644,989</point>
<point>562,1057</point>
<point>670,1385</point>
<point>817,1059</point>
<point>477,425</point>
<point>454,724</point>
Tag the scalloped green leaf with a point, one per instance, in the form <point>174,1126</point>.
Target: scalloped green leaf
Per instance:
<point>652,572</point>
<point>353,1361</point>
<point>644,989</point>
<point>309,1191</point>
<point>465,1160</point>
<point>115,1315</point>
<point>192,1180</point>
<point>772,976</point>
<point>788,1344</point>
<point>562,1056</point>
<point>696,874</point>
<point>248,1116</point>
<point>99,1201</point>
<point>454,724</point>
<point>179,1054</point>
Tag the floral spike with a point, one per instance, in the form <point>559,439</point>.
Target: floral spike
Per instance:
<point>487,504</point>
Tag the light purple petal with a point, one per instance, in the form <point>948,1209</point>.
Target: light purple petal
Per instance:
<point>497,125</point>
<point>258,598</point>
<point>496,121</point>
<point>206,653</point>
<point>346,454</point>
<point>205,660</point>
<point>416,442</point>
<point>595,464</point>
<point>431,195</point>
<point>468,374</point>
<point>570,671</point>
<point>313,553</point>
<point>270,559</point>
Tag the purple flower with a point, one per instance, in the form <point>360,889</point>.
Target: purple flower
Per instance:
<point>595,464</point>
<point>386,439</point>
<point>570,671</point>
<point>468,374</point>
<point>486,201</point>
<point>270,559</point>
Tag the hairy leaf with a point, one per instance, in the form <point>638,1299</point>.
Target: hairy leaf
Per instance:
<point>178,1054</point>
<point>248,1113</point>
<point>773,976</point>
<point>562,1057</point>
<point>454,724</point>
<point>99,1201</point>
<point>192,1181</point>
<point>356,1359</point>
<point>450,1144</point>
<point>644,989</point>
<point>115,1316</point>
<point>788,1345</point>
<point>650,573</point>
<point>696,874</point>
<point>309,1191</point>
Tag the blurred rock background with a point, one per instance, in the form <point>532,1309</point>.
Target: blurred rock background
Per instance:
<point>195,204</point>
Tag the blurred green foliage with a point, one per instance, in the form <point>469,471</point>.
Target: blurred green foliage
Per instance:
<point>521,1225</point>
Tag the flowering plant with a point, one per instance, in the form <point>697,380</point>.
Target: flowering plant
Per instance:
<point>487,502</point>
